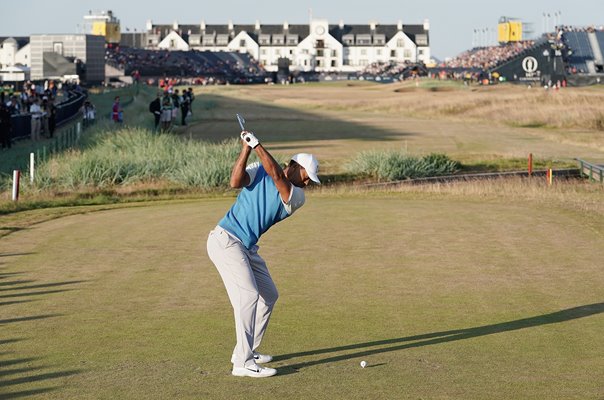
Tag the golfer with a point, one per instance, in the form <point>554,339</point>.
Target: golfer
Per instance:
<point>269,194</point>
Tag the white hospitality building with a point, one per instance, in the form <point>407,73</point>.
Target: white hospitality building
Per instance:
<point>317,46</point>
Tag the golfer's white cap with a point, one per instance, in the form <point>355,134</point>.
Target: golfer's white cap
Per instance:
<point>310,164</point>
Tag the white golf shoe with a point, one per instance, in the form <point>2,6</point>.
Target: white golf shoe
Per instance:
<point>259,358</point>
<point>254,371</point>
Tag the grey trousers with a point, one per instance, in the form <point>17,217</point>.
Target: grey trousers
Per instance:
<point>251,291</point>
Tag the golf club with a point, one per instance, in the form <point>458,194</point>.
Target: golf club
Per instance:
<point>241,121</point>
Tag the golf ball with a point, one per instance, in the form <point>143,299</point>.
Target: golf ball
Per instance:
<point>363,364</point>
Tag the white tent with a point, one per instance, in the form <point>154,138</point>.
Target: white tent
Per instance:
<point>14,74</point>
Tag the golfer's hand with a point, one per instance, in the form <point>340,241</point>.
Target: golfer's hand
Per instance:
<point>250,139</point>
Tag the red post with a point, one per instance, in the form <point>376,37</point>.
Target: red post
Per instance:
<point>530,164</point>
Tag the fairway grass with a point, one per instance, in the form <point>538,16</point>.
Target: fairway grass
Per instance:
<point>445,296</point>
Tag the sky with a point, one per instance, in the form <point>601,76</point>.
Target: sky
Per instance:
<point>455,26</point>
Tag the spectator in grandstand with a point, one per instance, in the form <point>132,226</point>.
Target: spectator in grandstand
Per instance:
<point>166,111</point>
<point>5,126</point>
<point>36,119</point>
<point>117,112</point>
<point>155,109</point>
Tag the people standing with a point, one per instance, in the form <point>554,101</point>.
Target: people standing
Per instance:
<point>268,195</point>
<point>184,107</point>
<point>117,111</point>
<point>175,105</point>
<point>51,111</point>
<point>5,126</point>
<point>36,119</point>
<point>166,111</point>
<point>88,113</point>
<point>155,109</point>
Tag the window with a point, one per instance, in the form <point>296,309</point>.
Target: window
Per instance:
<point>393,53</point>
<point>363,52</point>
<point>57,47</point>
<point>320,44</point>
<point>421,39</point>
<point>278,52</point>
<point>319,53</point>
<point>407,53</point>
<point>378,52</point>
<point>333,63</point>
<point>263,52</point>
<point>172,43</point>
<point>334,53</point>
<point>400,43</point>
<point>363,63</point>
<point>242,43</point>
<point>420,52</point>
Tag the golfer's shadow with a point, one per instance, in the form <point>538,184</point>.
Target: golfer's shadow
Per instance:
<point>365,349</point>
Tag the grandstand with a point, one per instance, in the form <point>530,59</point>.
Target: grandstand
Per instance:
<point>223,66</point>
<point>570,55</point>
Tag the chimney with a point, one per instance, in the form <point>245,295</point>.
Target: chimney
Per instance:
<point>426,24</point>
<point>341,24</point>
<point>230,25</point>
<point>175,25</point>
<point>372,25</point>
<point>285,26</point>
<point>399,25</point>
<point>149,25</point>
<point>257,27</point>
<point>202,27</point>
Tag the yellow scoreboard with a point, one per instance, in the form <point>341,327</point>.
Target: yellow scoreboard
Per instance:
<point>509,31</point>
<point>110,30</point>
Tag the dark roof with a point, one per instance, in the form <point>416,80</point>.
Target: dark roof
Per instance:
<point>387,30</point>
<point>21,40</point>
<point>301,30</point>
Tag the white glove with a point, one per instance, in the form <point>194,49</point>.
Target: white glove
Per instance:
<point>250,139</point>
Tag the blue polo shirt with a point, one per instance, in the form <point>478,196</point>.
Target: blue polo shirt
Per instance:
<point>258,207</point>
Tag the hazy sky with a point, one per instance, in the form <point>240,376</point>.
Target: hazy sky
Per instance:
<point>452,23</point>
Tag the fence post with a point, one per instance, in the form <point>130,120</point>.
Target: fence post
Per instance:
<point>16,175</point>
<point>530,164</point>
<point>31,167</point>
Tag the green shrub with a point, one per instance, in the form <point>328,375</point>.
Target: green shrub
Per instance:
<point>393,165</point>
<point>132,155</point>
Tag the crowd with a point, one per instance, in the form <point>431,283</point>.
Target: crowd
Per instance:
<point>37,100</point>
<point>179,63</point>
<point>488,57</point>
<point>167,106</point>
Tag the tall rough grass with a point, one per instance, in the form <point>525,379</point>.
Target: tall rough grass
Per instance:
<point>133,155</point>
<point>395,165</point>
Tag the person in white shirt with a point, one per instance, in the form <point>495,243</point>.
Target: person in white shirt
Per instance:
<point>36,119</point>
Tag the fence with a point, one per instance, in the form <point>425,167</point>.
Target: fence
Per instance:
<point>592,171</point>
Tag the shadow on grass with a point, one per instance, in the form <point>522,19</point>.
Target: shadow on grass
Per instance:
<point>428,339</point>
<point>280,124</point>
<point>40,286</point>
<point>26,319</point>
<point>14,254</point>
<point>13,283</point>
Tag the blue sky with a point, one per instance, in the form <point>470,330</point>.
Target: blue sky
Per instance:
<point>452,23</point>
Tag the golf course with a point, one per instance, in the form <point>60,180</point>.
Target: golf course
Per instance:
<point>482,289</point>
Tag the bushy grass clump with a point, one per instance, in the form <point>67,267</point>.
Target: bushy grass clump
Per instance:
<point>396,165</point>
<point>133,155</point>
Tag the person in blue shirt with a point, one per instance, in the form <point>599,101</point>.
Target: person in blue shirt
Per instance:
<point>269,194</point>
